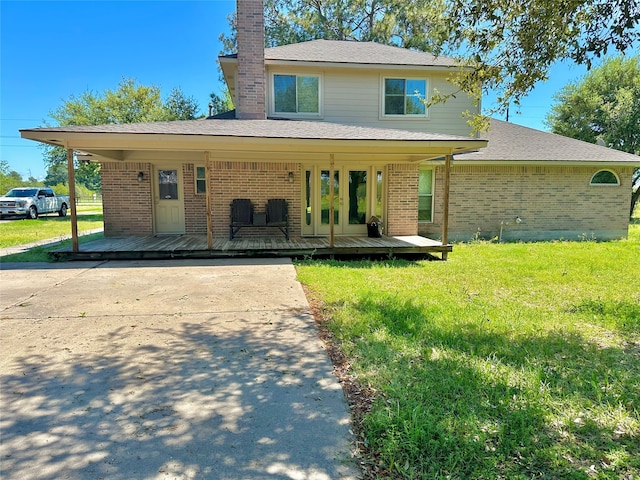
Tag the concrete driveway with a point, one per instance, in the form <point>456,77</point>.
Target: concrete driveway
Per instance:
<point>159,370</point>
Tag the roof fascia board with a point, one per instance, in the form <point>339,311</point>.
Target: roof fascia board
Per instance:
<point>362,66</point>
<point>160,142</point>
<point>348,65</point>
<point>540,163</point>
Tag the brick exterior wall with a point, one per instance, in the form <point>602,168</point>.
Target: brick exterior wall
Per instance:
<point>402,200</point>
<point>126,202</point>
<point>553,203</point>
<point>258,182</point>
<point>251,90</point>
<point>195,205</point>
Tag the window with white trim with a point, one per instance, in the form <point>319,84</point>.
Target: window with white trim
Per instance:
<point>604,177</point>
<point>405,96</point>
<point>298,94</point>
<point>201,180</point>
<point>425,196</point>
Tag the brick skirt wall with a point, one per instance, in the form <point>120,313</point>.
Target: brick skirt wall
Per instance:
<point>553,203</point>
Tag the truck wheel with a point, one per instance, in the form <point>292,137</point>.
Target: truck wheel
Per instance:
<point>63,210</point>
<point>32,213</point>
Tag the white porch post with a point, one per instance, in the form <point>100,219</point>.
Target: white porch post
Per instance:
<point>445,201</point>
<point>207,192</point>
<point>72,201</point>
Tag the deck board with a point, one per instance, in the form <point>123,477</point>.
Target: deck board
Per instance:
<point>195,246</point>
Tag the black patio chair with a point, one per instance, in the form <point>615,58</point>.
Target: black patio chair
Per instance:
<point>278,215</point>
<point>241,215</point>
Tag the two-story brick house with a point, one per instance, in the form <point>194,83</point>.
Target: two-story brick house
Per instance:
<point>354,112</point>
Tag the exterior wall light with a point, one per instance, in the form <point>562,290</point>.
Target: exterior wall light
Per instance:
<point>140,177</point>
<point>290,177</point>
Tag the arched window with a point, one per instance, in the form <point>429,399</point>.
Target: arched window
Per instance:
<point>604,177</point>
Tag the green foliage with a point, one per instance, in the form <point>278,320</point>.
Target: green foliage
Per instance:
<point>499,363</point>
<point>512,45</point>
<point>128,103</point>
<point>508,45</point>
<point>179,107</point>
<point>604,105</point>
<point>11,179</point>
<point>419,24</point>
<point>221,103</point>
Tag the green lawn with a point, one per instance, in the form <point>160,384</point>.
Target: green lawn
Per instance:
<point>507,361</point>
<point>21,231</point>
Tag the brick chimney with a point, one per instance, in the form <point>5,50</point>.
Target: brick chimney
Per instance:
<point>251,76</point>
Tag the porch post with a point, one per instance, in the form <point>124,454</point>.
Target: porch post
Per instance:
<point>331,193</point>
<point>445,201</point>
<point>72,201</point>
<point>207,193</point>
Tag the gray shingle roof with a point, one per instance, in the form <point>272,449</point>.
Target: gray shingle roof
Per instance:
<point>292,129</point>
<point>511,142</point>
<point>367,53</point>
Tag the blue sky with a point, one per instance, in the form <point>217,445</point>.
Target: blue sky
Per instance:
<point>52,50</point>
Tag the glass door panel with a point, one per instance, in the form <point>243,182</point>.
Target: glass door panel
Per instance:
<point>325,201</point>
<point>356,199</point>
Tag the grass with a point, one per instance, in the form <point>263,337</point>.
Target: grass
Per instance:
<point>21,231</point>
<point>39,254</point>
<point>507,361</point>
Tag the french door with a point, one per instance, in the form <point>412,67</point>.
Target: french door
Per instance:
<point>357,195</point>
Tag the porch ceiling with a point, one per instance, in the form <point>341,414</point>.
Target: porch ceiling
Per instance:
<point>273,140</point>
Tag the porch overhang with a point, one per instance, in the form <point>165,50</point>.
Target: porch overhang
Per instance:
<point>273,140</point>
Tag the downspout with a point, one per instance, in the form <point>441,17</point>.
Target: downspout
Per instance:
<point>72,201</point>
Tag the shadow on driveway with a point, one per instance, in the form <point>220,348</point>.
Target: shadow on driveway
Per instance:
<point>163,390</point>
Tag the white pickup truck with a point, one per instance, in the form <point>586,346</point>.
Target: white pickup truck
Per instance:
<point>33,201</point>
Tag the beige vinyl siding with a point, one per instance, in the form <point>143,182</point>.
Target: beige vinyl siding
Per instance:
<point>354,95</point>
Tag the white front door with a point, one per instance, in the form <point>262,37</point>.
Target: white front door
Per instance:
<point>168,202</point>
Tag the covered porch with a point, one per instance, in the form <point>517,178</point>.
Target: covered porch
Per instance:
<point>196,246</point>
<point>180,177</point>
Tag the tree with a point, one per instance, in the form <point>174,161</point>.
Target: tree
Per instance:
<point>604,105</point>
<point>180,107</point>
<point>509,44</point>
<point>129,103</point>
<point>418,24</point>
<point>221,103</point>
<point>11,179</point>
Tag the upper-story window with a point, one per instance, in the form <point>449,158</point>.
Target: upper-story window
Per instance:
<point>296,94</point>
<point>405,96</point>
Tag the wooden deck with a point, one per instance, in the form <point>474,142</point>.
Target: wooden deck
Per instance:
<point>195,246</point>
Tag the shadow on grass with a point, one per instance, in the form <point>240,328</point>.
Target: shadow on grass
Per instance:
<point>624,316</point>
<point>466,401</point>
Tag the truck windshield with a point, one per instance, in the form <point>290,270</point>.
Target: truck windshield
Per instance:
<point>22,192</point>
